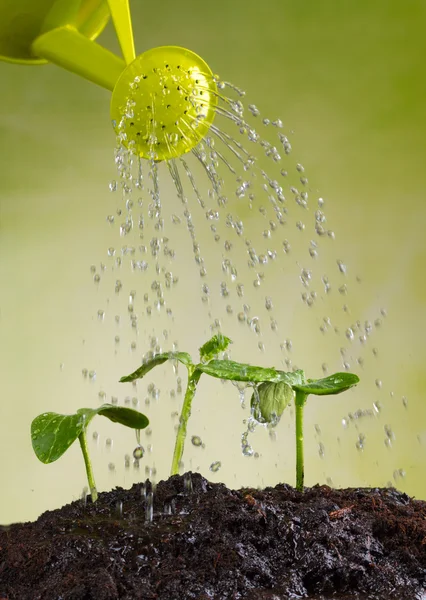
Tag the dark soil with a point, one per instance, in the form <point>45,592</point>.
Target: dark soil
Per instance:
<point>209,542</point>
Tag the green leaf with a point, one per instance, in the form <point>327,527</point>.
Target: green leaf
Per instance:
<point>228,369</point>
<point>218,343</point>
<point>52,434</point>
<point>125,416</point>
<point>158,359</point>
<point>269,401</point>
<point>333,384</point>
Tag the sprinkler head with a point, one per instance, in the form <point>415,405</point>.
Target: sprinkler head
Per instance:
<point>164,103</point>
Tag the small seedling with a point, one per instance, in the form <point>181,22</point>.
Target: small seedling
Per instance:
<point>52,434</point>
<point>273,390</point>
<point>270,399</point>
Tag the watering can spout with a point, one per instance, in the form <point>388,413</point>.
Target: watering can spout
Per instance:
<point>66,47</point>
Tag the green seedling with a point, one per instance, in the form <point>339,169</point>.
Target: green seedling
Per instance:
<point>273,390</point>
<point>270,399</point>
<point>52,434</point>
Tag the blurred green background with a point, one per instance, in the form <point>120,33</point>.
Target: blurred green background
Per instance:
<point>348,78</point>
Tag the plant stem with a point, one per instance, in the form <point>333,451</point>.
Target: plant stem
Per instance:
<point>300,466</point>
<point>193,378</point>
<point>89,471</point>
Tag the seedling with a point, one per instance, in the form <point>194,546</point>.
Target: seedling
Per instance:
<point>270,399</point>
<point>273,390</point>
<point>52,434</point>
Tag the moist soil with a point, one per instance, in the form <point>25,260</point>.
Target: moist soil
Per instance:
<point>206,541</point>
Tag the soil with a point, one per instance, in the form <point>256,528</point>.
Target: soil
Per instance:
<point>208,542</point>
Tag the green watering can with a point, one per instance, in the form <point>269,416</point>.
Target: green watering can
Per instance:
<point>163,101</point>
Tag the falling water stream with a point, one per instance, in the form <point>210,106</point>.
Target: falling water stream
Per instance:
<point>259,282</point>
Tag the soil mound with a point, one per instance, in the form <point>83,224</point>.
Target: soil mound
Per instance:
<point>208,542</point>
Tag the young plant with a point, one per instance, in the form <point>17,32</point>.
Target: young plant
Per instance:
<point>274,390</point>
<point>52,434</point>
<point>270,399</point>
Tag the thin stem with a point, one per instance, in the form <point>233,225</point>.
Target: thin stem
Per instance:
<point>89,471</point>
<point>193,378</point>
<point>300,466</point>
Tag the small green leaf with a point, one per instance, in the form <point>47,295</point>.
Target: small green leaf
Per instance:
<point>158,359</point>
<point>52,434</point>
<point>218,343</point>
<point>228,369</point>
<point>269,401</point>
<point>333,384</point>
<point>125,416</point>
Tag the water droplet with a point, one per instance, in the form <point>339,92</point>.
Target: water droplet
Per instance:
<point>389,433</point>
<point>149,507</point>
<point>138,452</point>
<point>268,303</point>
<point>215,466</point>
<point>187,483</point>
<point>360,443</point>
<point>254,110</point>
<point>349,333</point>
<point>342,266</point>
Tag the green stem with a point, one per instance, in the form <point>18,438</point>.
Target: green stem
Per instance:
<point>89,471</point>
<point>193,378</point>
<point>300,466</point>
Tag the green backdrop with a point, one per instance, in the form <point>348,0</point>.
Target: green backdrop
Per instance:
<point>348,79</point>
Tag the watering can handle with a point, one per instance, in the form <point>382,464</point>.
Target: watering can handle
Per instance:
<point>120,13</point>
<point>67,48</point>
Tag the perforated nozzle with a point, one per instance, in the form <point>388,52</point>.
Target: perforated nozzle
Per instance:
<point>164,103</point>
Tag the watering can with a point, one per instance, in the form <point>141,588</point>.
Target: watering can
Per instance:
<point>163,101</point>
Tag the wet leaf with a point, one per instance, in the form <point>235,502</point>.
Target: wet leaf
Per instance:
<point>158,359</point>
<point>333,384</point>
<point>228,369</point>
<point>125,416</point>
<point>269,401</point>
<point>52,434</point>
<point>218,343</point>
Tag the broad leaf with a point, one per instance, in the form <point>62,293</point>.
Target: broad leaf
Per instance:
<point>228,369</point>
<point>269,401</point>
<point>52,434</point>
<point>333,384</point>
<point>158,359</point>
<point>125,416</point>
<point>218,343</point>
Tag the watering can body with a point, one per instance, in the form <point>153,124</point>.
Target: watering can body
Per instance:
<point>22,22</point>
